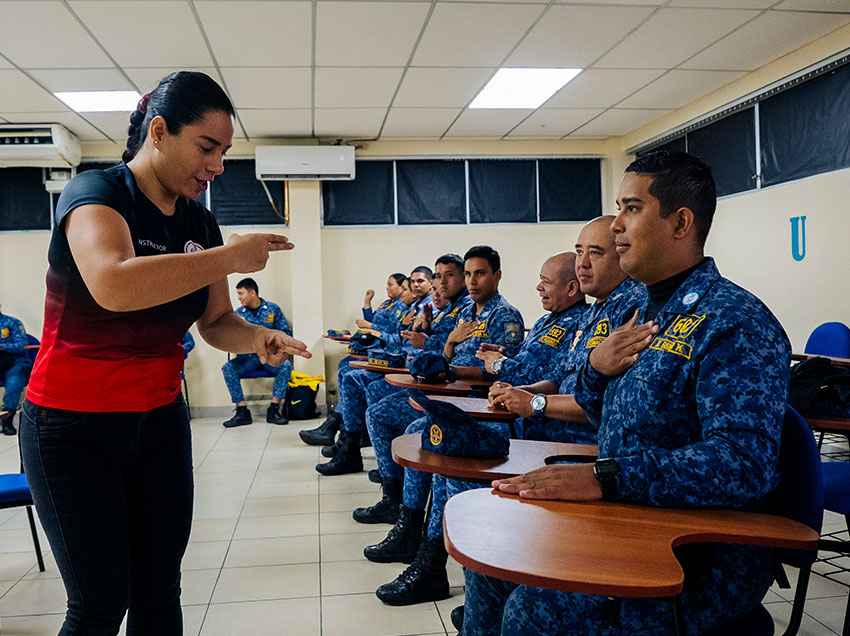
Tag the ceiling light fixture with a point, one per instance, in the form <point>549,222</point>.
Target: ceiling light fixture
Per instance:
<point>523,87</point>
<point>100,101</point>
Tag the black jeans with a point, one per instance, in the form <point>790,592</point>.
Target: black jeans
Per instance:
<point>114,494</point>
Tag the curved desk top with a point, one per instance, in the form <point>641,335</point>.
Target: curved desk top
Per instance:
<point>479,408</point>
<point>459,388</point>
<point>799,357</point>
<point>343,339</point>
<point>597,548</point>
<point>829,424</point>
<point>361,364</point>
<point>523,456</point>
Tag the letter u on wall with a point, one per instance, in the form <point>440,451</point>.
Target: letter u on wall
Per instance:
<point>798,237</point>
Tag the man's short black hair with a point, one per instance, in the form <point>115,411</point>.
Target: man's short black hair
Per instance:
<point>450,259</point>
<point>680,180</point>
<point>423,269</point>
<point>398,277</point>
<point>487,253</point>
<point>250,284</point>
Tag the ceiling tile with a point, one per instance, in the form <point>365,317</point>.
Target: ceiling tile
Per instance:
<point>671,36</point>
<point>441,87</point>
<point>653,3</point>
<point>46,35</point>
<point>487,122</point>
<point>114,124</point>
<point>367,33</point>
<point>84,79</point>
<point>355,87</point>
<point>766,38</point>
<point>678,88</point>
<point>258,33</point>
<point>269,88</point>
<point>72,121</point>
<point>554,122</point>
<point>361,123</point>
<point>147,79</point>
<point>473,34</point>
<point>277,123</point>
<point>601,88</point>
<point>19,94</point>
<point>418,122</point>
<point>616,122</point>
<point>723,4</point>
<point>816,5</point>
<point>571,36</point>
<point>138,33</point>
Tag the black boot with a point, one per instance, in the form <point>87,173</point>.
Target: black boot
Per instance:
<point>324,434</point>
<point>375,476</point>
<point>386,510</point>
<point>457,618</point>
<point>241,417</point>
<point>6,423</point>
<point>274,416</point>
<point>365,439</point>
<point>331,451</point>
<point>426,579</point>
<point>402,542</point>
<point>348,458</point>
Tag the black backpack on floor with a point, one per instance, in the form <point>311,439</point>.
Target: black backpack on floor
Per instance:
<point>301,403</point>
<point>820,388</point>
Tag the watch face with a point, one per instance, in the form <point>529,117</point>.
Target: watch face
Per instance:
<point>538,403</point>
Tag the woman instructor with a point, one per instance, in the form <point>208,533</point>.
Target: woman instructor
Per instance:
<point>134,261</point>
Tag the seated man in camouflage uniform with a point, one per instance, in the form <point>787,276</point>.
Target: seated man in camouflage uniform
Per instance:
<point>689,396</point>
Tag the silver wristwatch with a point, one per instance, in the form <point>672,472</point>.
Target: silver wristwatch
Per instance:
<point>538,404</point>
<point>497,365</point>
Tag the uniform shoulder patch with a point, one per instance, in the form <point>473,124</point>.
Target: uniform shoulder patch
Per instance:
<point>270,317</point>
<point>513,332</point>
<point>600,332</point>
<point>4,332</point>
<point>436,435</point>
<point>554,336</point>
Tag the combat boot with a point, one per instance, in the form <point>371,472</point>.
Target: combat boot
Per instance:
<point>386,510</point>
<point>401,544</point>
<point>347,459</point>
<point>322,435</point>
<point>8,428</point>
<point>274,416</point>
<point>241,417</point>
<point>425,580</point>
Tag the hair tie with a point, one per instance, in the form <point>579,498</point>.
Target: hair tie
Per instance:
<point>142,106</point>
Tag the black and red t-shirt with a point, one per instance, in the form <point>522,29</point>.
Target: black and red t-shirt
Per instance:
<point>95,360</point>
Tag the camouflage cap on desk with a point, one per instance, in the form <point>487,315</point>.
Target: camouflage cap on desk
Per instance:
<point>453,432</point>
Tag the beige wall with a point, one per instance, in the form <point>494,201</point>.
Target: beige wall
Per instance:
<point>320,285</point>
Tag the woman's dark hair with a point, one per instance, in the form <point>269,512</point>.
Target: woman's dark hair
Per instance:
<point>180,98</point>
<point>398,278</point>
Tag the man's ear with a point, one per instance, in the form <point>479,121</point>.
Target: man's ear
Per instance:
<point>685,223</point>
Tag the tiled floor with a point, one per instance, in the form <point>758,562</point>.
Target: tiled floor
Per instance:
<point>274,551</point>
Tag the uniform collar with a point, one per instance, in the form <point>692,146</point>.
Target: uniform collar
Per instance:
<point>692,290</point>
<point>489,306</point>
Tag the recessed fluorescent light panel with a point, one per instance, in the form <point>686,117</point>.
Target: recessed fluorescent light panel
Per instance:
<point>100,101</point>
<point>522,87</point>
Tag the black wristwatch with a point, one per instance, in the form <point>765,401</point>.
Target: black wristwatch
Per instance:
<point>607,473</point>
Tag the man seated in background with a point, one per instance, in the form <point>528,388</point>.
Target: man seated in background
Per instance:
<point>257,311</point>
<point>689,396</point>
<point>15,367</point>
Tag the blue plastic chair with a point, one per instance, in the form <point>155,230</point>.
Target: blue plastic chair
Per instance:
<point>836,486</point>
<point>799,496</point>
<point>15,492</point>
<point>830,339</point>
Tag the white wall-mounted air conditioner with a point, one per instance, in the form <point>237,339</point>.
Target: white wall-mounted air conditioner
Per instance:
<point>301,163</point>
<point>38,146</point>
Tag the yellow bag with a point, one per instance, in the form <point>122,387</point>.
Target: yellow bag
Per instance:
<point>299,378</point>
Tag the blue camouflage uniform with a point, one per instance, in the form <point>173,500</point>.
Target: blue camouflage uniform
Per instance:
<point>268,315</point>
<point>696,422</point>
<point>15,362</point>
<point>354,384</point>
<point>498,323</point>
<point>188,344</point>
<point>371,315</point>
<point>593,326</point>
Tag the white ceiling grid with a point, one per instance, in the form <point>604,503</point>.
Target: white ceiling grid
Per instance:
<point>354,69</point>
